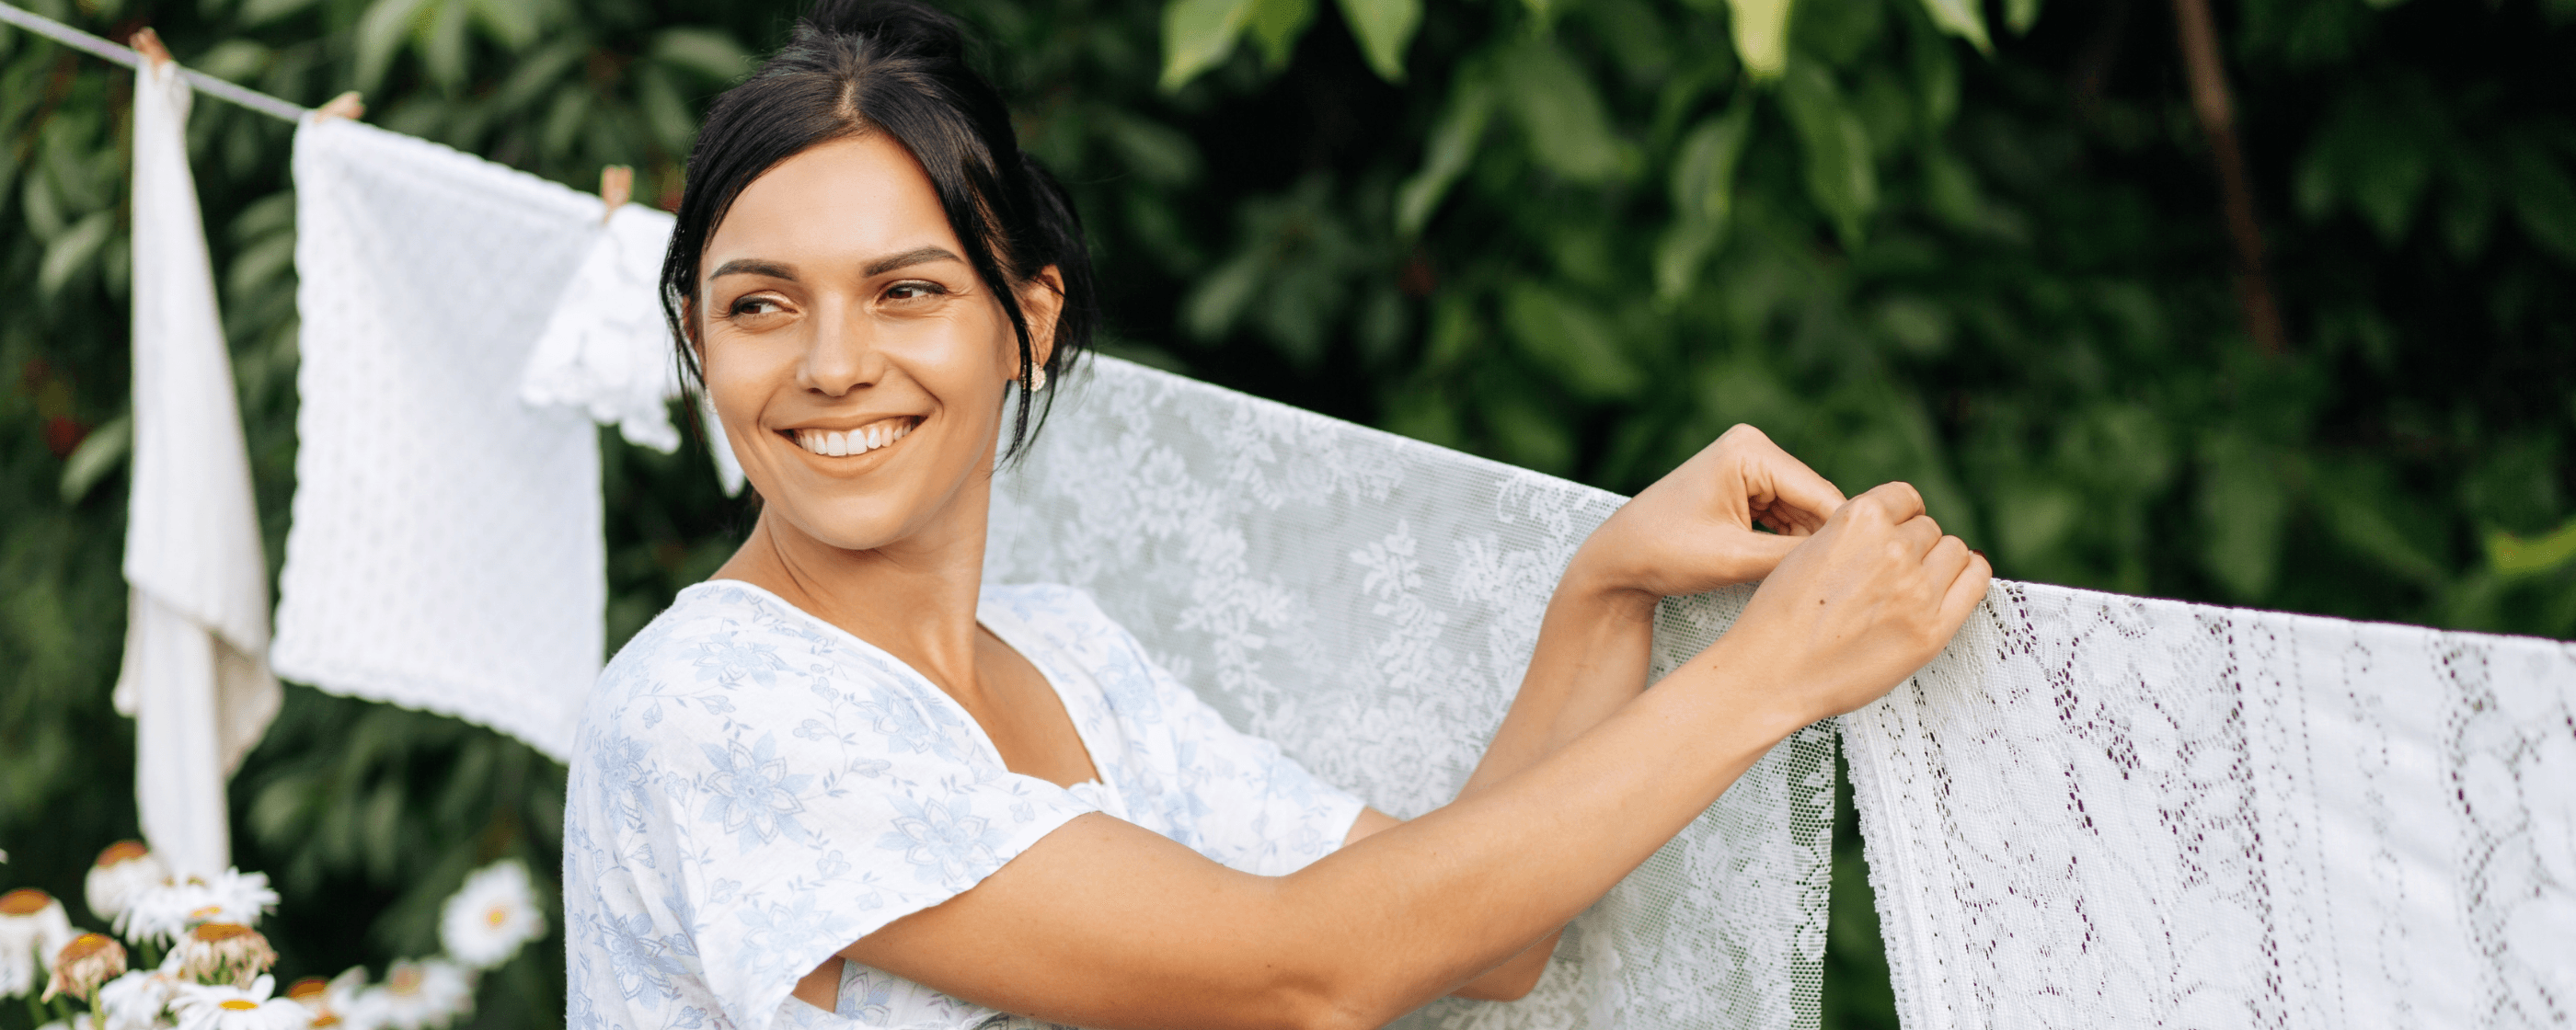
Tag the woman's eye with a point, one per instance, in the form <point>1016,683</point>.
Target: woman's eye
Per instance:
<point>912,290</point>
<point>753,306</point>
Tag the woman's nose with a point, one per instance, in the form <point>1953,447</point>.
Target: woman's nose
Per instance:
<point>842,356</point>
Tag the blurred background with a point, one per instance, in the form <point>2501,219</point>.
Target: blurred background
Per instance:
<point>1576,235</point>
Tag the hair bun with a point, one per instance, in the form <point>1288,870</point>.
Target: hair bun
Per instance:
<point>904,24</point>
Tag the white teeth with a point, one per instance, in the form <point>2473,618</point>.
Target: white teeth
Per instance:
<point>855,441</point>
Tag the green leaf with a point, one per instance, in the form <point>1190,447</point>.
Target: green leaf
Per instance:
<point>2242,509</point>
<point>1574,342</point>
<point>2507,554</point>
<point>261,12</point>
<point>98,454</point>
<point>511,23</point>
<point>2543,198</point>
<point>380,36</point>
<point>1841,179</point>
<point>1965,19</point>
<point>1565,124</point>
<point>1761,29</point>
<point>707,52</point>
<point>2020,15</point>
<point>1218,301</point>
<point>1454,139</point>
<point>1277,24</point>
<point>444,55</point>
<point>1199,35</point>
<point>1703,192</point>
<point>1157,153</point>
<point>73,251</point>
<point>1385,28</point>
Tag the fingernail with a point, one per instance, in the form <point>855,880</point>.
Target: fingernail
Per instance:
<point>1978,553</point>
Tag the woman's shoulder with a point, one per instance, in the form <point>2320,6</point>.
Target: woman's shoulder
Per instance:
<point>724,652</point>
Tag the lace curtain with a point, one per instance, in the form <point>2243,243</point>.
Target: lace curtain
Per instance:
<point>2111,811</point>
<point>1369,603</point>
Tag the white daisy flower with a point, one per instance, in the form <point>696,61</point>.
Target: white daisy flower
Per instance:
<point>79,1021</point>
<point>492,916</point>
<point>421,995</point>
<point>226,1007</point>
<point>89,960</point>
<point>341,1003</point>
<point>219,952</point>
<point>125,869</point>
<point>161,914</point>
<point>33,928</point>
<point>136,1000</point>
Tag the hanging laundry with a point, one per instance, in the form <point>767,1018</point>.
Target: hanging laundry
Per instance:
<point>445,553</point>
<point>606,350</point>
<point>195,675</point>
<point>2110,812</point>
<point>1368,603</point>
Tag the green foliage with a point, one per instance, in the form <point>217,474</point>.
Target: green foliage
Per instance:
<point>1586,237</point>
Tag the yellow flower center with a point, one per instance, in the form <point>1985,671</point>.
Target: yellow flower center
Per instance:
<point>213,932</point>
<point>238,1004</point>
<point>25,901</point>
<point>122,850</point>
<point>404,981</point>
<point>497,916</point>
<point>83,946</point>
<point>205,912</point>
<point>309,987</point>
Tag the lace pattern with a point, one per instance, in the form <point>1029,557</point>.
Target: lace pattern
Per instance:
<point>2097,810</point>
<point>1369,603</point>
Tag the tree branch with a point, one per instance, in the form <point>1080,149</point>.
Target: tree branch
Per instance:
<point>2196,33</point>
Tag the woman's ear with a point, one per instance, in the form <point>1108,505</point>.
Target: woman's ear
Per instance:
<point>1041,300</point>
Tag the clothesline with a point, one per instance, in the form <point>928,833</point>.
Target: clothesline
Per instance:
<point>202,82</point>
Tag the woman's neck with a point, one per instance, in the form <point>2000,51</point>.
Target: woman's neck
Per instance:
<point>914,597</point>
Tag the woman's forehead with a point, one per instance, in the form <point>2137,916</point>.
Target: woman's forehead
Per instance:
<point>851,201</point>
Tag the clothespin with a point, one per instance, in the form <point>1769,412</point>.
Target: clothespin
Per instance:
<point>616,186</point>
<point>346,105</point>
<point>148,43</point>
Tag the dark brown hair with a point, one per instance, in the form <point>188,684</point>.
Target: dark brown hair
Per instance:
<point>897,67</point>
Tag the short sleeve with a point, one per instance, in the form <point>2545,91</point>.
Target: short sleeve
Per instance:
<point>1231,796</point>
<point>808,790</point>
<point>1259,810</point>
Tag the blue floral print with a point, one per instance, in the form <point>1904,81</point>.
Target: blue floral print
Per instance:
<point>754,789</point>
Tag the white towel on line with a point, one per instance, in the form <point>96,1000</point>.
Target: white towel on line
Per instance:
<point>446,551</point>
<point>195,675</point>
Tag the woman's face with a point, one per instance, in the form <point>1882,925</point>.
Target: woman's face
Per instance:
<point>856,360</point>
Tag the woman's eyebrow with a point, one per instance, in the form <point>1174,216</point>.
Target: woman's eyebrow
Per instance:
<point>915,256</point>
<point>753,266</point>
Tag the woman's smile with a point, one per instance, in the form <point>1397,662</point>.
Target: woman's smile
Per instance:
<point>865,438</point>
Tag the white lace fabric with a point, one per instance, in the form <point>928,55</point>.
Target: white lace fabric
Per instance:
<point>1369,603</point>
<point>2109,811</point>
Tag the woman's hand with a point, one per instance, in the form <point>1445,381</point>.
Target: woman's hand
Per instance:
<point>1854,610</point>
<point>1693,531</point>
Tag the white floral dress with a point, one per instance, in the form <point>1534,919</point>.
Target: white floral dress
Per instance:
<point>753,789</point>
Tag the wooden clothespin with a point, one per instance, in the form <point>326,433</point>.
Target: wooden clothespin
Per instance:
<point>616,186</point>
<point>148,43</point>
<point>347,105</point>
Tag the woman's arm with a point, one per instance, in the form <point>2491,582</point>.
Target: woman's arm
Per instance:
<point>1692,532</point>
<point>1106,924</point>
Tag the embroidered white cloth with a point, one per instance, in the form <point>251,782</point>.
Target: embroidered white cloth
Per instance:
<point>1369,602</point>
<point>753,789</point>
<point>445,553</point>
<point>195,675</point>
<point>605,349</point>
<point>2107,811</point>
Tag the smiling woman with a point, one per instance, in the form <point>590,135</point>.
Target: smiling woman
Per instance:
<point>848,782</point>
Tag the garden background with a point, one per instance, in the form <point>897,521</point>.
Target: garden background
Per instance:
<point>1989,253</point>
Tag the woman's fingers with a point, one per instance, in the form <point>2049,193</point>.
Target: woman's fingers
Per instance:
<point>1967,590</point>
<point>1799,500</point>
